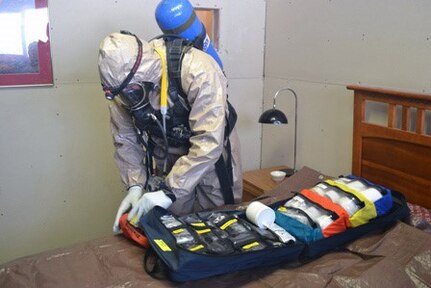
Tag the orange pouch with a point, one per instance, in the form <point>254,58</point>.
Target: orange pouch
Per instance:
<point>133,233</point>
<point>340,216</point>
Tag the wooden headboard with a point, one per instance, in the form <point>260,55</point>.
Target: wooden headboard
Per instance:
<point>398,154</point>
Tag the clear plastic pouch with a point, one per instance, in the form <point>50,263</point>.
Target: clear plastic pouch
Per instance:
<point>348,201</point>
<point>305,208</point>
<point>209,239</point>
<point>371,193</point>
<point>357,185</point>
<point>238,230</point>
<point>193,220</point>
<point>359,208</point>
<point>297,214</point>
<point>183,235</point>
<point>267,235</point>
<point>170,221</point>
<point>215,244</point>
<point>320,189</point>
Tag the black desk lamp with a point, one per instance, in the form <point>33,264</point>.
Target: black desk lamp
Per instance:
<point>277,117</point>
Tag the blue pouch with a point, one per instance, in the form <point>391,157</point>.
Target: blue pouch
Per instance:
<point>384,204</point>
<point>299,230</point>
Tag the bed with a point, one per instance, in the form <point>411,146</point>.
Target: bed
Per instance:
<point>398,154</point>
<point>395,153</point>
<point>391,155</point>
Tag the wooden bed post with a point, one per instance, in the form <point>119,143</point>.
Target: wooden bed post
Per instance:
<point>358,117</point>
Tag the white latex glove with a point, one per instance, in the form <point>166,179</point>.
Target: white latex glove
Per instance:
<point>130,201</point>
<point>148,201</point>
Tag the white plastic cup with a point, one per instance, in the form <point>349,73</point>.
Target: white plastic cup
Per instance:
<point>260,214</point>
<point>372,194</point>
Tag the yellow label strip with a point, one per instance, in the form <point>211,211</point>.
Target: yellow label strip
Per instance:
<point>196,248</point>
<point>162,245</point>
<point>251,245</point>
<point>228,223</point>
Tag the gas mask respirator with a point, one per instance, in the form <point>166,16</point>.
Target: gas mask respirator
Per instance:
<point>135,97</point>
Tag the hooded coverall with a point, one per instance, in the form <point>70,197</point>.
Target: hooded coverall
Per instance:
<point>192,176</point>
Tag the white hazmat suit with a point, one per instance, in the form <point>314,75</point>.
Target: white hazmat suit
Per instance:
<point>191,174</point>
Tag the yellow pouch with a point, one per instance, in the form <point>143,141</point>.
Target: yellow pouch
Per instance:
<point>363,215</point>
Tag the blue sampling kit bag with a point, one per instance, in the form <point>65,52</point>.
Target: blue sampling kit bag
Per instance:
<point>206,244</point>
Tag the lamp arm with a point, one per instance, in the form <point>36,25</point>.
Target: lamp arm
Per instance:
<point>296,118</point>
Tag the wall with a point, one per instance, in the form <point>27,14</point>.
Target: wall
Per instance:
<point>58,182</point>
<point>317,48</point>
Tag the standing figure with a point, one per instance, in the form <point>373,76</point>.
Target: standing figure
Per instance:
<point>173,128</point>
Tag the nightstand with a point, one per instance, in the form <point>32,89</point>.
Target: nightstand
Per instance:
<point>256,182</point>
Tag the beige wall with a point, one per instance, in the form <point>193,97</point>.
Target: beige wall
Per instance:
<point>58,181</point>
<point>317,48</point>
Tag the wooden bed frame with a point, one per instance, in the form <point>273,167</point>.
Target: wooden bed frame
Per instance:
<point>394,155</point>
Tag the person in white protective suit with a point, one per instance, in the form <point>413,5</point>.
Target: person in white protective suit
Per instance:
<point>131,69</point>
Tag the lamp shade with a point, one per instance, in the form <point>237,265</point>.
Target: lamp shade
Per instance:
<point>273,116</point>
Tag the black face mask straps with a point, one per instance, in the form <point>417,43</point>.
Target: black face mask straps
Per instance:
<point>110,93</point>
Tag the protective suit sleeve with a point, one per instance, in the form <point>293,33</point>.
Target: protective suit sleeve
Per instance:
<point>205,86</point>
<point>129,154</point>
